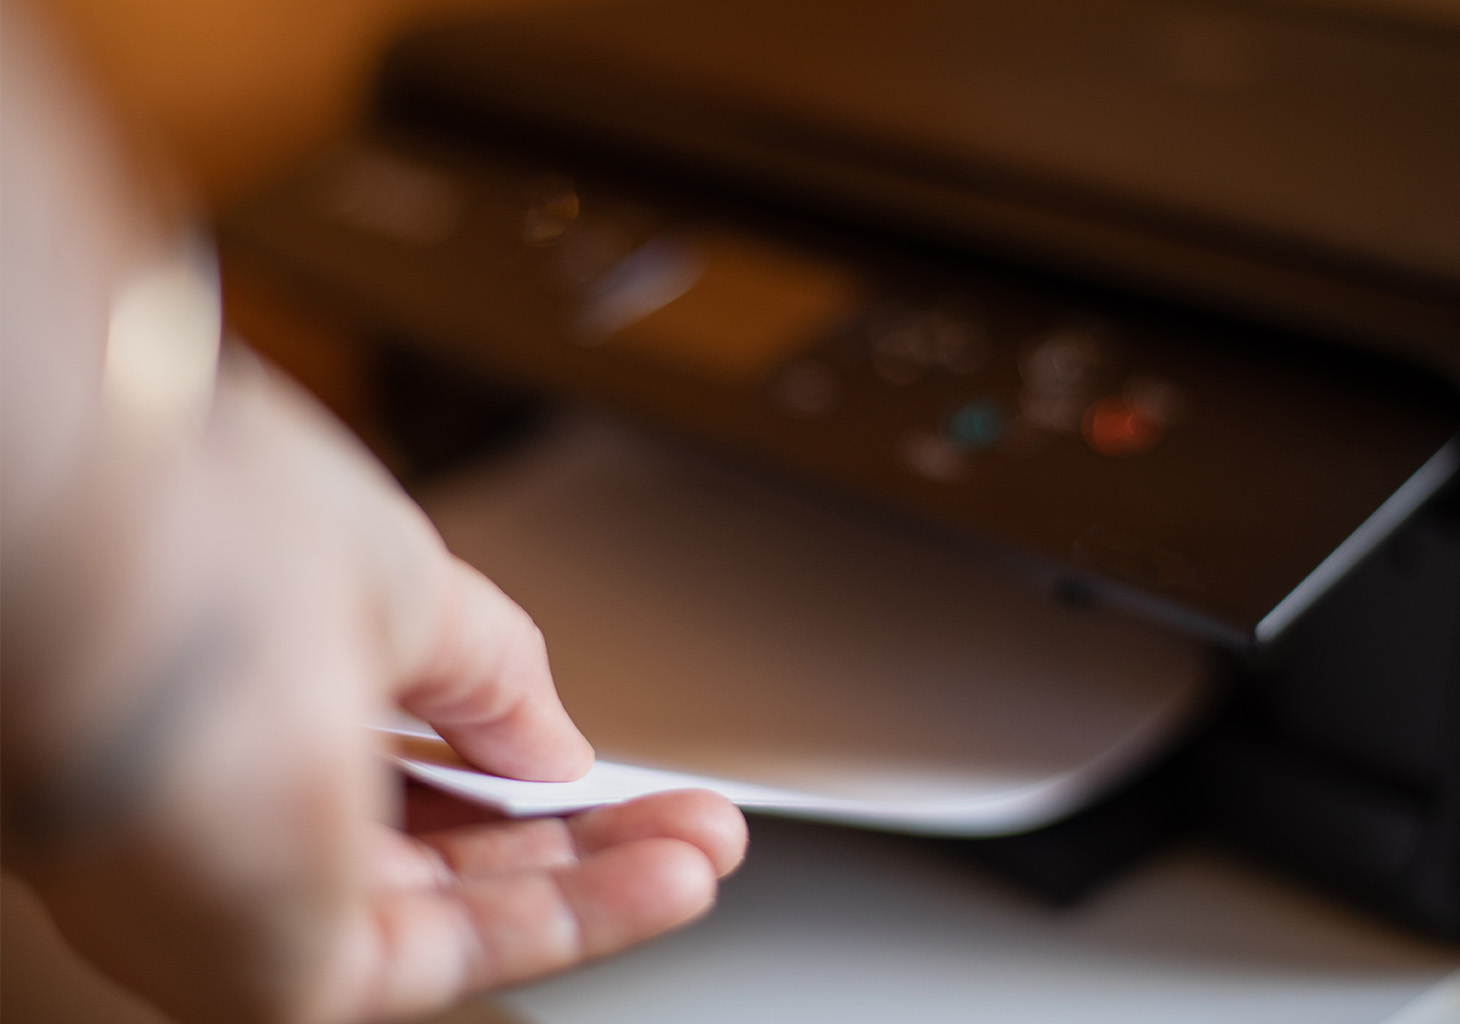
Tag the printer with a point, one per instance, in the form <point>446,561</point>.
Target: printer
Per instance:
<point>1157,303</point>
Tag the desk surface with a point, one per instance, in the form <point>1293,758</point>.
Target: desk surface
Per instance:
<point>827,924</point>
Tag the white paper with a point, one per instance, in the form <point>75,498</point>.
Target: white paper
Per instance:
<point>424,756</point>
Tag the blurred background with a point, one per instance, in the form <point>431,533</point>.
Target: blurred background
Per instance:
<point>235,94</point>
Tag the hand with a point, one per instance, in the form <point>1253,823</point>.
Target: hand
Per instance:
<point>201,622</point>
<point>247,864</point>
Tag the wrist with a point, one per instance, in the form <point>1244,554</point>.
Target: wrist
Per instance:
<point>95,622</point>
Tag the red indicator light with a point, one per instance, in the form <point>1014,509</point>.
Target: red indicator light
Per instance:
<point>1114,426</point>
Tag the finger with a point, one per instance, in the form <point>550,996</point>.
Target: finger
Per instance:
<point>705,820</point>
<point>400,861</point>
<point>417,951</point>
<point>444,860</point>
<point>630,892</point>
<point>484,684</point>
<point>475,852</point>
<point>696,816</point>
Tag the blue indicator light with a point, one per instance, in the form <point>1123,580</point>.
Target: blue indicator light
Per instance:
<point>976,425</point>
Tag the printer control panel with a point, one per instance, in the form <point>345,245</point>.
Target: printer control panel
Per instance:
<point>1191,469</point>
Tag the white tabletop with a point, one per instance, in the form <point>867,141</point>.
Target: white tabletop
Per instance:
<point>828,924</point>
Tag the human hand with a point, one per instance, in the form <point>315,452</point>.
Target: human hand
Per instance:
<point>243,859</point>
<point>207,604</point>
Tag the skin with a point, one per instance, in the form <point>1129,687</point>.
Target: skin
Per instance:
<point>199,626</point>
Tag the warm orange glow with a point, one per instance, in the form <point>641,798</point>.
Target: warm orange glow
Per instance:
<point>237,90</point>
<point>1113,426</point>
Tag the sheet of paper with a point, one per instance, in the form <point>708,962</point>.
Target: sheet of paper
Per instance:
<point>424,756</point>
<point>419,752</point>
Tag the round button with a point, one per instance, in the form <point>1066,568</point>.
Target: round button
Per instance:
<point>932,456</point>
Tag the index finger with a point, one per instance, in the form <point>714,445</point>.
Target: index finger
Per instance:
<point>483,682</point>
